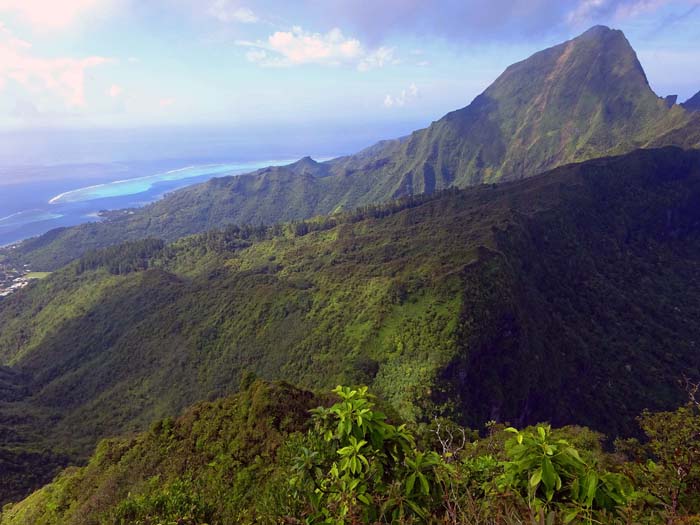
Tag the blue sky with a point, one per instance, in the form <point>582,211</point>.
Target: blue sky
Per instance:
<point>131,63</point>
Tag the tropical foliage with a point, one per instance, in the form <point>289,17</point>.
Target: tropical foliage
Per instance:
<point>263,456</point>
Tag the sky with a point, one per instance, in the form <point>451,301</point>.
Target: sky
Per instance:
<point>86,64</point>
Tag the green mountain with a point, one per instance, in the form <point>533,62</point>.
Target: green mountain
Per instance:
<point>585,98</point>
<point>573,296</point>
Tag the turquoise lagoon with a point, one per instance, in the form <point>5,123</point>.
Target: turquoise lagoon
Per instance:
<point>138,185</point>
<point>35,208</point>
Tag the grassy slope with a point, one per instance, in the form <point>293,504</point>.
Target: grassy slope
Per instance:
<point>585,98</point>
<point>519,302</point>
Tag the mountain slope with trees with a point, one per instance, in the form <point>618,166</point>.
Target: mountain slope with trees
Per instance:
<point>586,98</point>
<point>572,297</point>
<point>263,456</point>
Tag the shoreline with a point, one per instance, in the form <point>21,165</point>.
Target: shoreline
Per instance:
<point>60,212</point>
<point>225,169</point>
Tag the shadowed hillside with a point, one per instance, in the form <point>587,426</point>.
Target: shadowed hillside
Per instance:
<point>693,103</point>
<point>571,297</point>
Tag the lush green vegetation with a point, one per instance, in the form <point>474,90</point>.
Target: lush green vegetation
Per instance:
<point>37,275</point>
<point>518,301</point>
<point>263,457</point>
<point>572,297</point>
<point>583,99</point>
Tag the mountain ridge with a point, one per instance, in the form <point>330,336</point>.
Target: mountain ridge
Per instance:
<point>584,98</point>
<point>451,300</point>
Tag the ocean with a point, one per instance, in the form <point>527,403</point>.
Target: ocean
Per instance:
<point>33,208</point>
<point>54,178</point>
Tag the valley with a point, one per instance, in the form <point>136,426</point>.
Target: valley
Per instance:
<point>441,295</point>
<point>494,319</point>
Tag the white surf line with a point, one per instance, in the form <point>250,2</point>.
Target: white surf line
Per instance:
<point>233,167</point>
<point>60,196</point>
<point>53,200</point>
<point>14,215</point>
<point>24,212</point>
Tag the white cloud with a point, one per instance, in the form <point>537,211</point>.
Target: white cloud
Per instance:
<point>166,102</point>
<point>584,11</point>
<point>51,14</point>
<point>61,79</point>
<point>299,47</point>
<point>587,11</point>
<point>115,91</point>
<point>256,55</point>
<point>378,59</point>
<point>405,97</point>
<point>228,11</point>
<point>638,7</point>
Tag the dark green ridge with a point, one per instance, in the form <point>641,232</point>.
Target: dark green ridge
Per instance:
<point>241,434</point>
<point>262,457</point>
<point>573,296</point>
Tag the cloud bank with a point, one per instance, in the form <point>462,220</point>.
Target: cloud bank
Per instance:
<point>300,47</point>
<point>51,14</point>
<point>60,79</point>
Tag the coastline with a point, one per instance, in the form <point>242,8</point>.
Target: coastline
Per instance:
<point>190,171</point>
<point>123,193</point>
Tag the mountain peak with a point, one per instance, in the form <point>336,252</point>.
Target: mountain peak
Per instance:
<point>308,166</point>
<point>601,59</point>
<point>303,163</point>
<point>613,40</point>
<point>569,102</point>
<point>693,103</point>
<point>597,31</point>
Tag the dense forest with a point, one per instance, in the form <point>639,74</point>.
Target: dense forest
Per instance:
<point>512,302</point>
